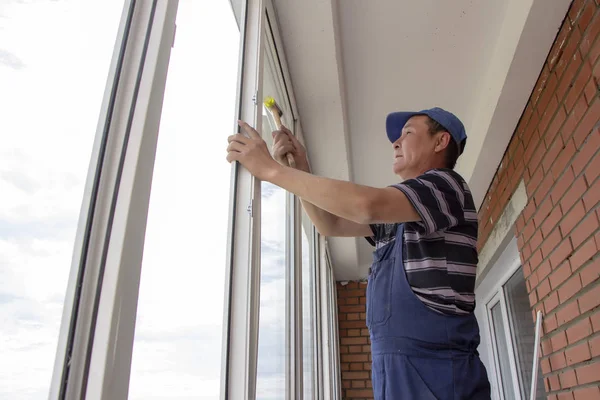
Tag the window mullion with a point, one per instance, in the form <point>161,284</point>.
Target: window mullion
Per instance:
<point>95,345</point>
<point>242,276</point>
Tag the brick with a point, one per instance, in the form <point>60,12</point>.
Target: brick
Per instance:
<point>367,367</point>
<point>584,75</point>
<point>355,375</point>
<point>569,288</point>
<point>594,54</point>
<point>351,301</point>
<point>543,289</point>
<point>591,90</point>
<point>564,181</point>
<point>533,298</point>
<point>559,341</point>
<point>554,128</point>
<point>558,46</point>
<point>568,379</point>
<point>573,120</point>
<point>589,36</point>
<point>575,10</point>
<point>345,366</point>
<point>352,309</point>
<point>356,366</point>
<point>587,393</point>
<point>594,344</point>
<point>351,324</point>
<point>565,396</point>
<point>355,349</point>
<point>584,230</point>
<point>583,254</point>
<point>351,293</point>
<point>572,218</point>
<point>354,340</point>
<point>590,273</point>
<point>567,313</point>
<point>557,361</point>
<point>552,153</point>
<point>578,353</point>
<point>592,171</point>
<point>366,349</point>
<point>560,275</point>
<point>588,373</point>
<point>550,243</point>
<point>543,270</point>
<point>359,393</point>
<point>543,211</point>
<point>587,123</point>
<point>353,316</point>
<point>595,319</point>
<point>545,365</point>
<point>570,68</point>
<point>552,221</point>
<point>547,106</point>
<point>358,384</point>
<point>561,252</point>
<point>553,383</point>
<point>550,323</point>
<point>355,358</point>
<point>535,241</point>
<point>589,300</point>
<point>579,331</point>
<point>539,87</point>
<point>591,197</point>
<point>570,55</point>
<point>574,193</point>
<point>543,188</point>
<point>551,302</point>
<point>586,15</point>
<point>589,147</point>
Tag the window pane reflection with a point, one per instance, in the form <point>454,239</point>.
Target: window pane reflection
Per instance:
<point>177,347</point>
<point>54,60</point>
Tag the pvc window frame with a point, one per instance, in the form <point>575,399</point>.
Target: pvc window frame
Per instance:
<point>497,296</point>
<point>95,344</point>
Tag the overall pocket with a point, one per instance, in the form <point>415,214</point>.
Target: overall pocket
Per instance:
<point>379,292</point>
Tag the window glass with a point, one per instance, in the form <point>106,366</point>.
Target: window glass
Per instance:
<point>502,352</point>
<point>308,310</point>
<point>522,331</point>
<point>54,61</point>
<point>177,346</point>
<point>276,226</point>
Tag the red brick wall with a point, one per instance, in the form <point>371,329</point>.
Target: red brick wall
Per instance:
<point>555,150</point>
<point>355,349</point>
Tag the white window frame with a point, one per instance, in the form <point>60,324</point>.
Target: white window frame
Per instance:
<point>94,352</point>
<point>493,286</point>
<point>95,342</point>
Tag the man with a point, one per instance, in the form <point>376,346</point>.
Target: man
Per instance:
<point>420,300</point>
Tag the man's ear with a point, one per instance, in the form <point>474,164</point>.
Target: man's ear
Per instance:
<point>442,141</point>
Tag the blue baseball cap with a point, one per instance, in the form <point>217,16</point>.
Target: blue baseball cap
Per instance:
<point>396,121</point>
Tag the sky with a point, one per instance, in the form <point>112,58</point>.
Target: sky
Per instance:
<point>54,58</point>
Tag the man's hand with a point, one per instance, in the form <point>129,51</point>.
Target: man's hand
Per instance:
<point>252,153</point>
<point>285,142</point>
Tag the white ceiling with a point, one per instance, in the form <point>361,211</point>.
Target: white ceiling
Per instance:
<point>351,62</point>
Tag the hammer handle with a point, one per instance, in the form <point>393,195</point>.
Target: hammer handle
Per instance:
<point>289,156</point>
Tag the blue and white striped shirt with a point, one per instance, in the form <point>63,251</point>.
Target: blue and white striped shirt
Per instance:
<point>440,251</point>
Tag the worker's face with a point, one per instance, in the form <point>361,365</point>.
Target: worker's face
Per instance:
<point>415,149</point>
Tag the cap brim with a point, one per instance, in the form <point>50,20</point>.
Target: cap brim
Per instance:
<point>395,122</point>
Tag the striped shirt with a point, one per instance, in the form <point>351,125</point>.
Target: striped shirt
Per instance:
<point>440,251</point>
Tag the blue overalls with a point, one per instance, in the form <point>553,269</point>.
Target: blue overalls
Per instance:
<point>418,353</point>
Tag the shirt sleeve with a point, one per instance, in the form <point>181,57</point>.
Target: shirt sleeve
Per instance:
<point>438,198</point>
